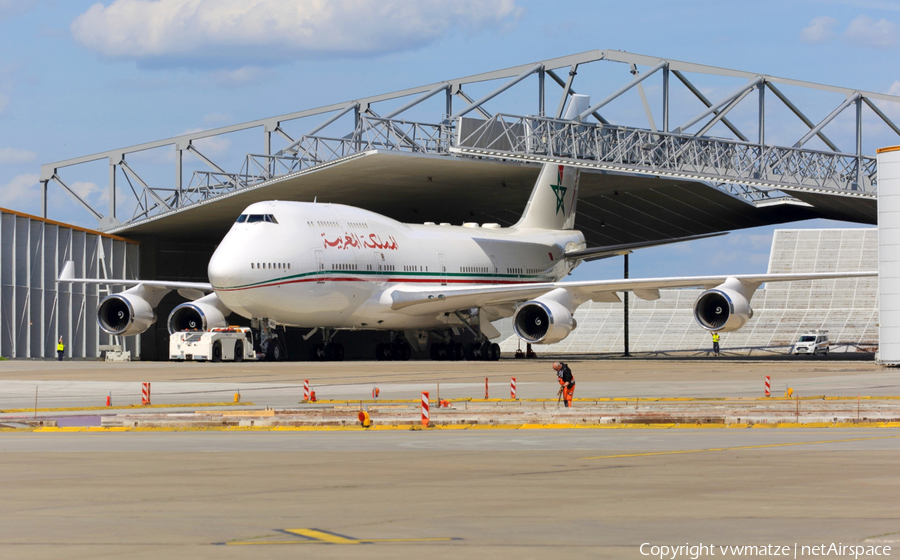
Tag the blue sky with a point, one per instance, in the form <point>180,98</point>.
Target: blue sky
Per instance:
<point>81,77</point>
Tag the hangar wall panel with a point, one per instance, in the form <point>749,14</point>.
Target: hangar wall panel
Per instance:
<point>34,310</point>
<point>889,254</point>
<point>846,308</point>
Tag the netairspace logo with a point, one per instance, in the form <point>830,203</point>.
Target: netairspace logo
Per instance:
<point>687,550</point>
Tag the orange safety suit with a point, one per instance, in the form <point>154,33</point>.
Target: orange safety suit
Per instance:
<point>567,382</point>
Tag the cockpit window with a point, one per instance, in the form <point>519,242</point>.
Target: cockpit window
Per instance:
<point>242,218</point>
<point>253,218</point>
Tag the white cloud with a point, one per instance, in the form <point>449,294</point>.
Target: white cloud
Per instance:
<point>212,146</point>
<point>240,33</point>
<point>87,190</point>
<point>866,32</point>
<point>21,189</point>
<point>819,30</point>
<point>12,155</point>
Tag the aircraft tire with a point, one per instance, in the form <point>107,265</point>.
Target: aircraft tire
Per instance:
<point>471,352</point>
<point>405,352</point>
<point>459,351</point>
<point>434,351</point>
<point>495,352</point>
<point>486,351</point>
<point>277,352</point>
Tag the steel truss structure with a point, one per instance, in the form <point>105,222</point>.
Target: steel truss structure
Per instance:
<point>751,169</point>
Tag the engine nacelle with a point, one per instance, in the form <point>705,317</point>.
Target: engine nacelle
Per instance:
<point>125,314</point>
<point>203,314</point>
<point>543,321</point>
<point>722,310</point>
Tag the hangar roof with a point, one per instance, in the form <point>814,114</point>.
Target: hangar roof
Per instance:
<point>613,208</point>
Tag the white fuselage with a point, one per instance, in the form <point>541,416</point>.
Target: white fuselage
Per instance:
<point>334,266</point>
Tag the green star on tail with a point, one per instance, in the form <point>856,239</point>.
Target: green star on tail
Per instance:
<point>560,192</point>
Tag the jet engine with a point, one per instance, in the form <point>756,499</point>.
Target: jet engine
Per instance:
<point>722,309</point>
<point>127,313</point>
<point>543,321</point>
<point>203,314</point>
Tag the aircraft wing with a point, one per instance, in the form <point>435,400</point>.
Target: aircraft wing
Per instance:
<point>68,275</point>
<point>414,300</point>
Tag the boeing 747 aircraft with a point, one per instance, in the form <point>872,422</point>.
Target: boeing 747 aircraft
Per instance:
<point>345,268</point>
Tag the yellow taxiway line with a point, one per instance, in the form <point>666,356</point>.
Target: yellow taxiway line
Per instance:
<point>418,427</point>
<point>126,407</point>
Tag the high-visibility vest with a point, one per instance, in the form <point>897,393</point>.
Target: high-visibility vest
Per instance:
<point>60,347</point>
<point>715,337</point>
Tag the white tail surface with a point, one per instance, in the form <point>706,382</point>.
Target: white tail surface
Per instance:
<point>555,195</point>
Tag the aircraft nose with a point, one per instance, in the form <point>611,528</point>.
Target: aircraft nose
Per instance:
<point>225,267</point>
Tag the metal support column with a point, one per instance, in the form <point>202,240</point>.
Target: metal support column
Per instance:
<point>625,300</point>
<point>113,161</point>
<point>449,108</point>
<point>859,163</point>
<point>179,153</point>
<point>665,92</point>
<point>541,92</point>
<point>762,115</point>
<point>44,199</point>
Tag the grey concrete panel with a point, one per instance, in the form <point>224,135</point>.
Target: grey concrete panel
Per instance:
<point>34,310</point>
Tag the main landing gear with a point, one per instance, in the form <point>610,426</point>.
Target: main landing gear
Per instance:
<point>473,351</point>
<point>399,350</point>
<point>327,351</point>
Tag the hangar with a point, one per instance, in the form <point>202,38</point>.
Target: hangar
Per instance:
<point>469,149</point>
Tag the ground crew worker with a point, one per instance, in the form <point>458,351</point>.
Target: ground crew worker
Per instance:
<point>715,343</point>
<point>60,349</point>
<point>566,381</point>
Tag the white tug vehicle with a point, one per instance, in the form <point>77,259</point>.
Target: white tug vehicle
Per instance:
<point>216,345</point>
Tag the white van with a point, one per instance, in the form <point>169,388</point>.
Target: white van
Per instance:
<point>812,343</point>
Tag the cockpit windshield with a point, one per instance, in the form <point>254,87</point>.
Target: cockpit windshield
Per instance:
<point>253,218</point>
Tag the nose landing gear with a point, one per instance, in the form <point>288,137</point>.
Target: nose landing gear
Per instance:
<point>270,344</point>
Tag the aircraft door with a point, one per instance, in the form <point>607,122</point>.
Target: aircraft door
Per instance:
<point>320,268</point>
<point>377,265</point>
<point>442,269</point>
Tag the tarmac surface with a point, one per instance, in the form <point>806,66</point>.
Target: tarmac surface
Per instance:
<point>596,493</point>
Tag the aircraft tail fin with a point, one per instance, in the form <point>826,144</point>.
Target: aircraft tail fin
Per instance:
<point>555,195</point>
